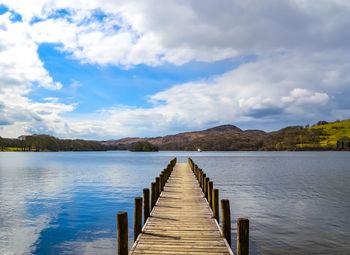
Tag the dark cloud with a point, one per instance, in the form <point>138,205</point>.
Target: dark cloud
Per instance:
<point>4,122</point>
<point>265,112</point>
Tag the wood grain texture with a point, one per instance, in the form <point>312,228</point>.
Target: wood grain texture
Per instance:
<point>181,222</point>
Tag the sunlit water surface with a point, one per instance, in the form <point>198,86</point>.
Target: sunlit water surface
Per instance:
<point>66,203</point>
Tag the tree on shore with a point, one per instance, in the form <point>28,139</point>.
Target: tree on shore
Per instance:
<point>143,146</point>
<point>1,143</point>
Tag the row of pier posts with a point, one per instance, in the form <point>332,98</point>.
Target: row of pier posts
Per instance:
<point>212,196</point>
<point>122,217</point>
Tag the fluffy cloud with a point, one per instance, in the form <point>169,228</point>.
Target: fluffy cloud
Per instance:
<point>131,32</point>
<point>20,70</point>
<point>262,94</point>
<point>300,73</point>
<point>20,64</point>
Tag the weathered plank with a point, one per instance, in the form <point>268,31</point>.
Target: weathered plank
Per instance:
<point>182,221</point>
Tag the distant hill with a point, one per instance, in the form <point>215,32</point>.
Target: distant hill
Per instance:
<point>226,137</point>
<point>334,134</point>
<point>321,136</point>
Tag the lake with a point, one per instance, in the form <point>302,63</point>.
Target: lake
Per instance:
<point>66,202</point>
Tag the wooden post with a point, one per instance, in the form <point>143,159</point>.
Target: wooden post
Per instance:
<point>161,182</point>
<point>203,181</point>
<point>226,220</point>
<point>157,187</point>
<point>145,204</point>
<point>200,178</point>
<point>165,171</point>
<point>122,233</point>
<point>206,187</point>
<point>153,195</point>
<point>167,174</point>
<point>210,193</point>
<point>137,217</point>
<point>215,205</point>
<point>164,179</point>
<point>242,236</point>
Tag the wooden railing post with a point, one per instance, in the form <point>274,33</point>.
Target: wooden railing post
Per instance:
<point>215,205</point>
<point>161,182</point>
<point>153,195</point>
<point>226,220</point>
<point>206,187</point>
<point>137,217</point>
<point>210,193</point>
<point>145,204</point>
<point>122,233</point>
<point>242,236</point>
<point>203,181</point>
<point>157,187</point>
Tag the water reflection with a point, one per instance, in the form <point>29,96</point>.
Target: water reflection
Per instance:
<point>297,202</point>
<point>66,203</point>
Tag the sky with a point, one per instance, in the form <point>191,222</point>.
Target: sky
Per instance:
<point>107,69</point>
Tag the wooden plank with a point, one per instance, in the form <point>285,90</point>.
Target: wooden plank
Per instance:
<point>181,222</point>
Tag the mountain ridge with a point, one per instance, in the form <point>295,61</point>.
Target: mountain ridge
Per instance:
<point>230,137</point>
<point>321,136</point>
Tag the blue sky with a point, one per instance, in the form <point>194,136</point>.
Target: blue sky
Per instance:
<point>110,69</point>
<point>95,87</point>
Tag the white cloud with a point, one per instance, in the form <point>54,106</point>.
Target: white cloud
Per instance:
<point>19,61</point>
<point>181,31</point>
<point>301,50</point>
<point>305,97</point>
<point>268,93</point>
<point>20,70</point>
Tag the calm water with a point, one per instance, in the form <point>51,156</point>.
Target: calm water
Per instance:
<point>65,203</point>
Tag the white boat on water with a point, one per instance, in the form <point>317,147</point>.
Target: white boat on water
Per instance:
<point>199,150</point>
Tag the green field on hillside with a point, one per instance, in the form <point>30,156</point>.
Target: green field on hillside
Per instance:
<point>333,132</point>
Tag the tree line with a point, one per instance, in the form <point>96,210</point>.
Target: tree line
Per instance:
<point>50,143</point>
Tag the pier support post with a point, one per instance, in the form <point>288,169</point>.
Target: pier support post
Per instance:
<point>215,205</point>
<point>161,181</point>
<point>210,193</point>
<point>137,217</point>
<point>226,220</point>
<point>122,232</point>
<point>145,204</point>
<point>157,187</point>
<point>203,181</point>
<point>153,195</point>
<point>166,171</point>
<point>242,236</point>
<point>206,187</point>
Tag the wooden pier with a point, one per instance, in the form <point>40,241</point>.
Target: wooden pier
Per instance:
<point>182,217</point>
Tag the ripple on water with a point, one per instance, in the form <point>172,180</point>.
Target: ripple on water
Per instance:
<point>65,203</point>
